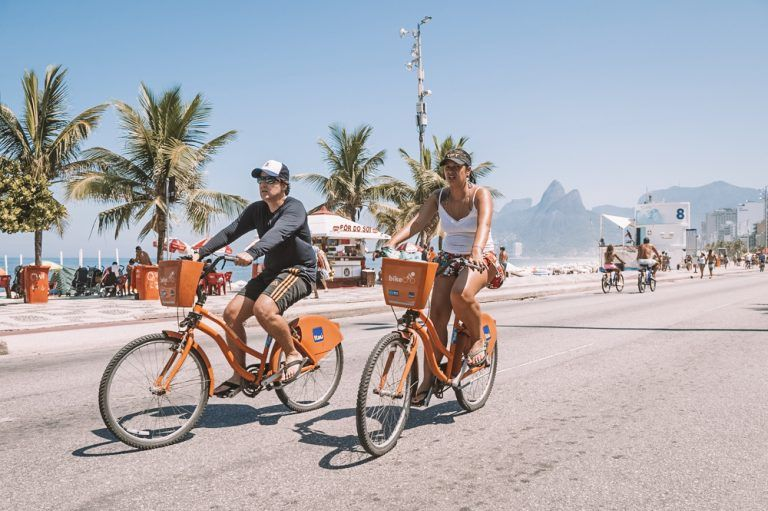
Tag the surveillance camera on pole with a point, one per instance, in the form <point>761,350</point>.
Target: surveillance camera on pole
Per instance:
<point>416,61</point>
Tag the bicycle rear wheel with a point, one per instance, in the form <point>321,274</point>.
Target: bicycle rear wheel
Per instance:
<point>641,282</point>
<point>619,282</point>
<point>605,283</point>
<point>652,284</point>
<point>314,388</point>
<point>381,414</point>
<point>479,385</point>
<point>138,412</point>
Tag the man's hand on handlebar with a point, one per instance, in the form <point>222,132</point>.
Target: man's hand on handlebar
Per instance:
<point>243,259</point>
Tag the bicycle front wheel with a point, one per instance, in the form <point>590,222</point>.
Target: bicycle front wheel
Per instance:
<point>619,282</point>
<point>313,389</point>
<point>605,283</point>
<point>473,393</point>
<point>142,414</point>
<point>382,412</point>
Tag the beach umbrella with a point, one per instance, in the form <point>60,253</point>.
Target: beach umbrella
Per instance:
<point>196,246</point>
<point>176,245</point>
<point>53,266</point>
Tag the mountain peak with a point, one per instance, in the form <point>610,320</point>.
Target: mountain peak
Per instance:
<point>552,194</point>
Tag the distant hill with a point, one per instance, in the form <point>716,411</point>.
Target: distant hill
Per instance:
<point>558,225</point>
<point>704,199</point>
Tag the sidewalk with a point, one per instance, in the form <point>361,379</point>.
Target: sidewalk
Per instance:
<point>86,312</point>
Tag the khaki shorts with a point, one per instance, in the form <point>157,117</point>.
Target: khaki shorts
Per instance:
<point>287,288</point>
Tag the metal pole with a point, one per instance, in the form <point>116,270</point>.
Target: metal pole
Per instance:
<point>421,111</point>
<point>765,216</point>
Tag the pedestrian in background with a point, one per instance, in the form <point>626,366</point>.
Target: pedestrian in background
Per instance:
<point>711,258</point>
<point>323,270</point>
<point>142,257</point>
<point>702,263</point>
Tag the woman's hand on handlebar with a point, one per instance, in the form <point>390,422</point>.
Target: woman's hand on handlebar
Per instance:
<point>475,260</point>
<point>243,259</point>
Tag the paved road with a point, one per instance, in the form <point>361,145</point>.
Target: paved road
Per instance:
<point>653,401</point>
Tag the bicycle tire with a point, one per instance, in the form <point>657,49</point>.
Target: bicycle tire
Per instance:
<point>641,283</point>
<point>128,427</point>
<point>605,283</point>
<point>652,284</point>
<point>619,284</point>
<point>464,396</point>
<point>300,395</point>
<point>379,424</point>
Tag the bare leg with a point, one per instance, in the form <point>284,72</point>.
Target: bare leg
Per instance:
<point>439,314</point>
<point>464,301</point>
<point>269,317</point>
<point>238,310</point>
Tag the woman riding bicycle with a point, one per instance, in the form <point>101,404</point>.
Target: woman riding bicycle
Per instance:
<point>465,211</point>
<point>610,256</point>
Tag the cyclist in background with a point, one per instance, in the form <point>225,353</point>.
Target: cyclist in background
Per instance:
<point>610,256</point>
<point>645,253</point>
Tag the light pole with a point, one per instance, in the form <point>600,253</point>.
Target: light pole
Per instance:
<point>765,217</point>
<point>416,61</point>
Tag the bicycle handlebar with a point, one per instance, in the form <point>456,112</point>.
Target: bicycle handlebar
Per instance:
<point>463,261</point>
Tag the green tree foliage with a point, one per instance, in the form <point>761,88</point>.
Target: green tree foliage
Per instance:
<point>354,182</point>
<point>26,203</point>
<point>165,138</point>
<point>45,140</point>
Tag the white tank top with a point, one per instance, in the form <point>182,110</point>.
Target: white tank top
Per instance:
<point>460,234</point>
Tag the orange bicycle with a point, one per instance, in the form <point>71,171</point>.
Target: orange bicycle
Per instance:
<point>391,373</point>
<point>154,390</point>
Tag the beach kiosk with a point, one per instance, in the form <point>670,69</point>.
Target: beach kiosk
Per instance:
<point>343,241</point>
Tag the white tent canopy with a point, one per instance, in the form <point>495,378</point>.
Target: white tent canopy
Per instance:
<point>324,224</point>
<point>619,220</point>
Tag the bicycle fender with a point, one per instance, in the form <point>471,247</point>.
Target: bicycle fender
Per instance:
<point>318,335</point>
<point>488,329</point>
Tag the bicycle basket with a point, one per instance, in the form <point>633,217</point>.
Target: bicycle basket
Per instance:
<point>177,282</point>
<point>407,283</point>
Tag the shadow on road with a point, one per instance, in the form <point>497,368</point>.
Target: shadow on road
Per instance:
<point>347,452</point>
<point>214,416</point>
<point>639,329</point>
<point>377,326</point>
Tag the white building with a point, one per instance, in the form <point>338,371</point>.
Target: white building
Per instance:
<point>747,216</point>
<point>665,224</point>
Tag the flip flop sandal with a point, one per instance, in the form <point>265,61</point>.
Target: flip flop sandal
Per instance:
<point>301,363</point>
<point>228,390</point>
<point>475,353</point>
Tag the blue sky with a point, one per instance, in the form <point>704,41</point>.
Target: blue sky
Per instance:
<point>609,97</point>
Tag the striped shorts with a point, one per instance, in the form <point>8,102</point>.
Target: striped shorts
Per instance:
<point>287,288</point>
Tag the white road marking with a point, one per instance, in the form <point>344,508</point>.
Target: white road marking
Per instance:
<point>7,419</point>
<point>547,357</point>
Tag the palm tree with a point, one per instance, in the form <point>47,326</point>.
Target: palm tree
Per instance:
<point>353,182</point>
<point>165,139</point>
<point>45,140</point>
<point>427,176</point>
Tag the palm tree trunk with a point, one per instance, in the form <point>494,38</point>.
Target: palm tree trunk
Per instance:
<point>160,237</point>
<point>38,248</point>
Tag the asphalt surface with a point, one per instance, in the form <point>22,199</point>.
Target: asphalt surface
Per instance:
<point>617,401</point>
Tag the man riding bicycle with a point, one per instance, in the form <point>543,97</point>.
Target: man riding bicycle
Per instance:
<point>289,268</point>
<point>645,255</point>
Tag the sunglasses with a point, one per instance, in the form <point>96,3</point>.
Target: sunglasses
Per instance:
<point>267,180</point>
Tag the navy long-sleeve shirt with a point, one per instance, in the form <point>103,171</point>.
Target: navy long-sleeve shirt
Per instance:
<point>285,240</point>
